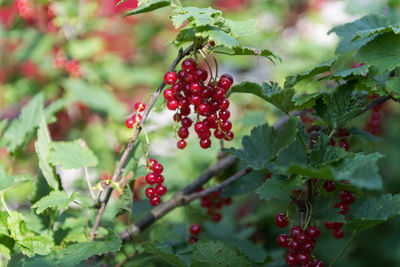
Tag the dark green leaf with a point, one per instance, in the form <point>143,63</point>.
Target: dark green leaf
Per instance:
<point>248,51</point>
<point>364,135</point>
<point>306,101</point>
<point>265,143</point>
<point>369,32</point>
<point>149,5</point>
<point>278,187</point>
<point>393,87</point>
<point>360,71</point>
<point>324,172</point>
<point>247,183</point>
<point>254,252</point>
<point>323,153</point>
<point>165,253</point>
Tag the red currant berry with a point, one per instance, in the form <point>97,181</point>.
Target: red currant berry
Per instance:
<point>308,246</point>
<point>227,76</point>
<point>193,240</point>
<point>185,111</point>
<point>328,225</point>
<point>218,134</point>
<point>216,217</point>
<point>294,245</point>
<point>189,78</point>
<point>172,104</point>
<point>224,104</point>
<point>195,88</point>
<point>215,106</point>
<point>302,238</point>
<point>206,92</point>
<point>317,263</point>
<point>338,234</point>
<point>158,168</point>
<point>181,75</point>
<point>159,179</point>
<point>195,100</point>
<point>168,94</point>
<point>183,132</point>
<point>184,102</point>
<point>155,200</point>
<point>224,115</point>
<point>282,240</point>
<point>346,197</point>
<point>195,229</point>
<point>337,225</point>
<point>149,192</point>
<point>295,231</point>
<point>302,258</point>
<point>181,144</point>
<point>226,126</point>
<point>229,136</point>
<point>186,122</point>
<point>291,260</point>
<point>219,94</point>
<point>344,144</point>
<point>151,178</point>
<point>281,220</point>
<point>170,78</point>
<point>224,84</point>
<point>189,65</point>
<point>201,74</point>
<point>151,163</point>
<point>161,190</point>
<point>139,106</point>
<point>200,127</point>
<point>129,123</point>
<point>205,143</point>
<point>330,186</point>
<point>203,109</point>
<point>177,117</point>
<point>313,232</point>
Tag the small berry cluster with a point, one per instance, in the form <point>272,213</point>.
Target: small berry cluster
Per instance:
<point>373,124</point>
<point>208,101</point>
<point>195,230</point>
<point>71,66</point>
<point>342,135</point>
<point>346,199</point>
<point>213,202</point>
<point>152,178</point>
<point>135,118</point>
<point>299,244</point>
<point>24,10</point>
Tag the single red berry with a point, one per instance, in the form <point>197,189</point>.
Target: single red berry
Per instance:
<point>215,106</point>
<point>149,192</point>
<point>155,200</point>
<point>172,104</point>
<point>218,134</point>
<point>291,260</point>
<point>158,168</point>
<point>229,136</point>
<point>294,245</point>
<point>295,231</point>
<point>344,144</point>
<point>176,88</point>
<point>282,240</point>
<point>185,111</point>
<point>168,94</point>
<point>338,234</point>
<point>328,225</point>
<point>195,229</point>
<point>206,92</point>
<point>227,76</point>
<point>184,102</point>
<point>181,75</point>
<point>308,246</point>
<point>216,217</point>
<point>181,144</point>
<point>203,109</point>
<point>343,133</point>
<point>159,179</point>
<point>161,190</point>
<point>302,238</point>
<point>195,88</point>
<point>226,126</point>
<point>183,132</point>
<point>337,225</point>
<point>330,186</point>
<point>281,220</point>
<point>136,118</point>
<point>205,143</point>
<point>224,84</point>
<point>313,232</point>
<point>219,94</point>
<point>201,74</point>
<point>139,106</point>
<point>332,141</point>
<point>317,263</point>
<point>151,163</point>
<point>346,197</point>
<point>302,258</point>
<point>189,78</point>
<point>129,123</point>
<point>200,127</point>
<point>177,117</point>
<point>224,104</point>
<point>193,240</point>
<point>195,100</point>
<point>224,115</point>
<point>189,65</point>
<point>186,122</point>
<point>170,78</point>
<point>151,178</point>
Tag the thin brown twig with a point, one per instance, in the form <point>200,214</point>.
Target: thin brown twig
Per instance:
<point>182,53</point>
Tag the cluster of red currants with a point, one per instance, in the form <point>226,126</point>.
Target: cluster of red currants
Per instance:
<point>24,10</point>
<point>154,177</point>
<point>213,202</point>
<point>346,199</point>
<point>299,244</point>
<point>374,121</point>
<point>195,230</point>
<point>62,62</point>
<point>135,118</point>
<point>189,87</point>
<point>342,135</point>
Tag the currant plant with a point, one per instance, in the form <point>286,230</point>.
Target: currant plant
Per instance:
<point>308,165</point>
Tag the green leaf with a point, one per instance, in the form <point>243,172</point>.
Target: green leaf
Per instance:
<point>241,28</point>
<point>74,254</point>
<point>3,223</point>
<point>42,147</point>
<point>339,107</point>
<point>254,252</point>
<point>369,32</point>
<point>273,93</point>
<point>324,172</point>
<point>8,182</point>
<point>265,143</point>
<point>149,5</point>
<point>383,52</point>
<point>293,80</point>
<point>392,86</point>
<point>20,129</point>
<point>306,101</point>
<point>360,71</point>
<point>349,31</point>
<point>278,186</point>
<point>56,199</point>
<point>372,212</point>
<point>4,251</point>
<point>247,51</point>
<point>220,38</point>
<point>364,135</point>
<point>165,253</point>
<point>362,170</point>
<point>246,184</point>
<point>199,16</point>
<point>72,155</point>
<point>96,98</point>
<point>215,253</point>
<point>323,153</point>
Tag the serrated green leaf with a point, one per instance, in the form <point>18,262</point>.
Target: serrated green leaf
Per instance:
<point>248,51</point>
<point>220,38</point>
<point>42,148</point>
<point>199,16</point>
<point>149,5</point>
<point>278,186</point>
<point>72,155</point>
<point>361,170</point>
<point>367,213</point>
<point>56,199</point>
<point>165,253</point>
<point>323,153</point>
<point>98,99</point>
<point>294,153</point>
<point>383,52</point>
<point>324,172</point>
<point>369,32</point>
<point>3,223</point>
<point>360,71</point>
<point>348,31</point>
<point>306,101</point>
<point>330,215</point>
<point>20,129</point>
<point>293,80</point>
<point>241,28</point>
<point>273,93</point>
<point>10,181</point>
<point>74,254</point>
<point>215,253</point>
<point>339,107</point>
<point>392,86</point>
<point>254,252</point>
<point>265,143</point>
<point>246,184</point>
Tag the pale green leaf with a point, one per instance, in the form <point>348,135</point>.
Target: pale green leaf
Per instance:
<point>56,199</point>
<point>149,5</point>
<point>10,181</point>
<point>220,38</point>
<point>241,28</point>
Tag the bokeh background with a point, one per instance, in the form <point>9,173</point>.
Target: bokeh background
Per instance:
<point>100,64</point>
